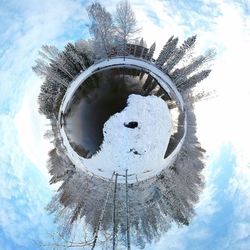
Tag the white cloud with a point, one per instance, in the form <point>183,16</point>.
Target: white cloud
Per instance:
<point>22,216</point>
<point>31,127</point>
<point>36,23</point>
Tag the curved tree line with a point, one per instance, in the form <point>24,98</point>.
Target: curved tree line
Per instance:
<point>154,203</point>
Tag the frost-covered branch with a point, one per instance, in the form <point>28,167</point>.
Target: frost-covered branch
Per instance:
<point>101,28</point>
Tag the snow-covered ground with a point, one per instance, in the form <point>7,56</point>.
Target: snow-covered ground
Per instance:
<point>140,150</point>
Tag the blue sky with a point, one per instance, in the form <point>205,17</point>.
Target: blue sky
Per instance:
<point>223,213</point>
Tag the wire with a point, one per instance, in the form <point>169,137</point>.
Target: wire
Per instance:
<point>127,212</point>
<point>102,213</point>
<point>114,212</point>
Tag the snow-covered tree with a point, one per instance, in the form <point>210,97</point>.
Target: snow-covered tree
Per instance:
<point>201,96</point>
<point>58,69</point>
<point>167,51</point>
<point>193,80</point>
<point>143,43</point>
<point>151,52</point>
<point>180,53</point>
<point>126,25</point>
<point>101,28</point>
<point>181,75</point>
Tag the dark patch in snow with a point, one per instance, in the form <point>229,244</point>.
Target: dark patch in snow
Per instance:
<point>136,153</point>
<point>131,124</point>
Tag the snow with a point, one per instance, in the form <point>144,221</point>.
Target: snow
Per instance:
<point>140,150</point>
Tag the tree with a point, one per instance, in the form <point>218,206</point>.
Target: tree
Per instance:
<point>58,69</point>
<point>125,22</point>
<point>180,53</point>
<point>167,51</point>
<point>101,28</point>
<point>201,96</point>
<point>193,80</point>
<point>143,43</point>
<point>151,51</point>
<point>180,75</point>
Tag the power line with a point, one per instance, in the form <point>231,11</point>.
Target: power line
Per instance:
<point>127,212</point>
<point>114,212</point>
<point>102,212</point>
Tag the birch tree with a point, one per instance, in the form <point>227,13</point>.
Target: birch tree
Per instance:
<point>101,28</point>
<point>126,25</point>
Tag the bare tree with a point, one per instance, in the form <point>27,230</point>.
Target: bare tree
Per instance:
<point>125,22</point>
<point>101,28</point>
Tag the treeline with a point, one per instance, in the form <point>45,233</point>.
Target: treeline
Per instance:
<point>58,69</point>
<point>154,204</point>
<point>115,35</point>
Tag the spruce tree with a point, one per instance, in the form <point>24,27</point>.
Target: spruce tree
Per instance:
<point>193,80</point>
<point>151,51</point>
<point>179,75</point>
<point>180,53</point>
<point>167,51</point>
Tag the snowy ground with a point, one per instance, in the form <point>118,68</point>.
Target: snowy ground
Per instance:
<point>140,149</point>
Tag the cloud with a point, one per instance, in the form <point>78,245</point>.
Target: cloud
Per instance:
<point>22,216</point>
<point>31,127</point>
<point>25,26</point>
<point>29,25</point>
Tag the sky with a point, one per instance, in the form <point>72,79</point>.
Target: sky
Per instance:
<point>222,218</point>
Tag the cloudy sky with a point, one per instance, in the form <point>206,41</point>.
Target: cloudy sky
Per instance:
<point>223,213</point>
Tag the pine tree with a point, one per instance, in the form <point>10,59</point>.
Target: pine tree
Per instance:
<point>202,95</point>
<point>151,51</point>
<point>58,69</point>
<point>143,43</point>
<point>180,53</point>
<point>193,80</point>
<point>180,75</point>
<point>167,51</point>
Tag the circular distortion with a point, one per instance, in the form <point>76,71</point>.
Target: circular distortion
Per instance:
<point>122,115</point>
